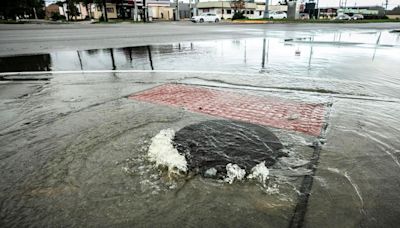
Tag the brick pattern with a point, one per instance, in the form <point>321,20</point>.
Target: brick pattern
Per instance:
<point>269,111</point>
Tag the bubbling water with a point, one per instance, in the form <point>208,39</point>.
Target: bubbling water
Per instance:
<point>163,153</point>
<point>219,149</point>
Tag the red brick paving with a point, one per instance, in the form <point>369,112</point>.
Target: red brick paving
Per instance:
<point>269,111</point>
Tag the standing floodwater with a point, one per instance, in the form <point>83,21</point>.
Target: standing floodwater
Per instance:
<point>301,131</point>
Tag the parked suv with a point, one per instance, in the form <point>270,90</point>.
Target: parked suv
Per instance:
<point>206,17</point>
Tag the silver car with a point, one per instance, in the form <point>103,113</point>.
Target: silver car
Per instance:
<point>342,17</point>
<point>357,17</point>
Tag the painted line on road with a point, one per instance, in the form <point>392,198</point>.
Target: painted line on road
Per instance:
<point>343,96</point>
<point>4,74</point>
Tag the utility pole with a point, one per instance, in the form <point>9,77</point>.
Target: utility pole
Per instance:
<point>177,16</point>
<point>144,11</point>
<point>34,12</point>
<point>105,10</point>
<point>222,2</point>
<point>135,12</point>
<point>195,7</point>
<point>317,9</point>
<point>386,5</point>
<point>266,11</point>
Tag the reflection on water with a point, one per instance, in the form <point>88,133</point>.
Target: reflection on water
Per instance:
<point>26,63</point>
<point>369,58</point>
<point>313,55</point>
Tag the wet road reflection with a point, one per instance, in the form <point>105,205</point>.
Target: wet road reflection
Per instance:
<point>369,58</point>
<point>311,55</point>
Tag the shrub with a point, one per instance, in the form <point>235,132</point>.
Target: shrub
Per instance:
<point>238,15</point>
<point>55,16</point>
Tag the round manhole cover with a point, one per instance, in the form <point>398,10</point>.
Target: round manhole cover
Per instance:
<point>216,143</point>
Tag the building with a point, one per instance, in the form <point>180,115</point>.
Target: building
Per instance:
<point>156,9</point>
<point>328,12</point>
<point>225,9</point>
<point>184,10</point>
<point>369,12</point>
<point>394,13</point>
<point>160,9</point>
<point>96,11</point>
<point>51,10</point>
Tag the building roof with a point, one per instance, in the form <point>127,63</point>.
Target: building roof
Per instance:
<point>205,5</point>
<point>261,7</point>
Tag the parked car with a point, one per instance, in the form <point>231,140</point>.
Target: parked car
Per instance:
<point>357,17</point>
<point>206,17</point>
<point>343,17</point>
<point>277,15</point>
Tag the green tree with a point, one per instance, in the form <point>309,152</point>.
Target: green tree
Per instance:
<point>104,7</point>
<point>396,10</point>
<point>72,10</point>
<point>10,9</point>
<point>86,3</point>
<point>238,6</point>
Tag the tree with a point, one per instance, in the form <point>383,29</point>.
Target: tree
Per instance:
<point>237,5</point>
<point>104,6</point>
<point>86,3</point>
<point>283,3</point>
<point>395,10</point>
<point>10,9</point>
<point>72,10</point>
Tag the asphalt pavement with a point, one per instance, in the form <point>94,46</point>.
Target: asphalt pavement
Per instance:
<point>75,134</point>
<point>44,38</point>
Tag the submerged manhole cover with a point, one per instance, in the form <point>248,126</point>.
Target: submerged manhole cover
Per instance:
<point>216,143</point>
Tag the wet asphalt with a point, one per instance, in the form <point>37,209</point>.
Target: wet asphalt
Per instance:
<point>44,38</point>
<point>73,146</point>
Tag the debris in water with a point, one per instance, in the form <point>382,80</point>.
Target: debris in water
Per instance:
<point>294,117</point>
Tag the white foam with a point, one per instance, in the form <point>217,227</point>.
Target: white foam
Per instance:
<point>233,171</point>
<point>211,172</point>
<point>163,153</point>
<point>259,172</point>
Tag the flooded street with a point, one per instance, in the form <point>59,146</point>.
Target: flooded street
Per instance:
<point>281,128</point>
